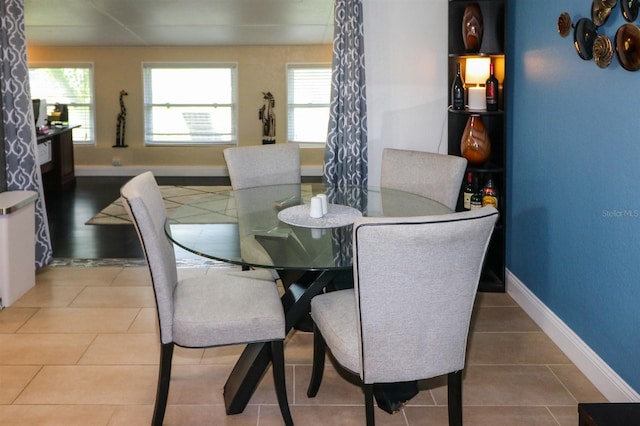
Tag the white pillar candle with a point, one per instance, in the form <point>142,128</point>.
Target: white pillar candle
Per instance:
<point>325,204</point>
<point>315,210</point>
<point>477,98</point>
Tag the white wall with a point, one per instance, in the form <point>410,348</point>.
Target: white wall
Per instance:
<point>406,62</point>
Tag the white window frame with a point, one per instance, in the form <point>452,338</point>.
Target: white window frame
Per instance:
<point>185,138</point>
<point>292,107</point>
<point>84,134</point>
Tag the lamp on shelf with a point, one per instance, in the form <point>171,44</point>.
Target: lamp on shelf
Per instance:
<point>476,74</point>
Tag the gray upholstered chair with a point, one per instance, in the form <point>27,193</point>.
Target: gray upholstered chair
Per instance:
<point>260,165</point>
<point>432,175</point>
<point>225,307</point>
<point>408,316</point>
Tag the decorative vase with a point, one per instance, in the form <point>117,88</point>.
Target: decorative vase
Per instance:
<point>472,27</point>
<point>475,145</point>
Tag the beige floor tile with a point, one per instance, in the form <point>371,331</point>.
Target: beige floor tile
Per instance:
<point>47,295</point>
<point>487,300</point>
<point>266,392</point>
<point>201,384</point>
<point>187,356</point>
<point>12,318</point>
<point>86,384</point>
<point>145,322</point>
<point>207,415</point>
<point>576,382</point>
<point>115,297</point>
<point>55,415</point>
<point>515,375</point>
<point>123,349</point>
<point>342,415</point>
<point>299,348</point>
<point>520,385</point>
<point>333,389</point>
<point>81,320</point>
<point>128,415</point>
<point>502,319</point>
<point>565,416</point>
<point>482,416</point>
<point>43,349</point>
<point>78,275</point>
<point>513,348</point>
<point>13,379</point>
<point>133,276</point>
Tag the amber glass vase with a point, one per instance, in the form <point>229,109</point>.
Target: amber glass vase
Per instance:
<point>475,145</point>
<point>472,27</point>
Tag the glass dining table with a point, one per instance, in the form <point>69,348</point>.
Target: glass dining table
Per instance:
<point>270,227</point>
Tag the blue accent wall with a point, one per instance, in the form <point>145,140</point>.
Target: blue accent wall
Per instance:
<point>574,173</point>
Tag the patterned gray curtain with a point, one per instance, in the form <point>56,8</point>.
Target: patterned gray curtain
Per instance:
<point>22,169</point>
<point>345,158</point>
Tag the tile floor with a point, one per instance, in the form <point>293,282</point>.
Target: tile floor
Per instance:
<point>81,348</point>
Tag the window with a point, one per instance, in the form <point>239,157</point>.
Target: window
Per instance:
<point>192,104</point>
<point>71,85</point>
<point>308,98</point>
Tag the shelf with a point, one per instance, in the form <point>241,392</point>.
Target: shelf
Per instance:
<point>493,46</point>
<point>468,111</point>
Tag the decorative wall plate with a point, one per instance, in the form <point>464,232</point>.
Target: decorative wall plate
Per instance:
<point>599,12</point>
<point>627,44</point>
<point>629,9</point>
<point>602,51</point>
<point>564,24</point>
<point>584,35</point>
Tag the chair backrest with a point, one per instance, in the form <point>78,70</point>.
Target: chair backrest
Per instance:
<point>432,175</point>
<point>141,198</point>
<point>260,165</point>
<point>415,283</point>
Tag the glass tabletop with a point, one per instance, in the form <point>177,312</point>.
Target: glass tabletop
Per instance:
<point>242,227</point>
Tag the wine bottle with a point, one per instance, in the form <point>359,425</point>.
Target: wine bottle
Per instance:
<point>467,192</point>
<point>489,194</point>
<point>491,87</point>
<point>457,91</point>
<point>476,198</point>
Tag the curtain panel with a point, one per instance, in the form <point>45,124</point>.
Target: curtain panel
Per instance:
<point>21,169</point>
<point>345,161</point>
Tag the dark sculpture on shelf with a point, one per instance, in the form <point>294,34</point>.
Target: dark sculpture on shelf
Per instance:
<point>268,118</point>
<point>122,121</point>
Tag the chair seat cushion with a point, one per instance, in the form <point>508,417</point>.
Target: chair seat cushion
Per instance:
<point>225,308</point>
<point>334,313</point>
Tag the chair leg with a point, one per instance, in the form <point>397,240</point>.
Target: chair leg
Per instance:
<point>277,363</point>
<point>368,404</point>
<point>319,349</point>
<point>164,378</point>
<point>454,390</point>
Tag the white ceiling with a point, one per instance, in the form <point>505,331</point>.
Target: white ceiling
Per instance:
<point>178,22</point>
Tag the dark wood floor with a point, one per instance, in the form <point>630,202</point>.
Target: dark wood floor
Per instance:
<point>69,209</point>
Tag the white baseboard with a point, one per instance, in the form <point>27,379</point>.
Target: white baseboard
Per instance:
<point>196,171</point>
<point>608,382</point>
